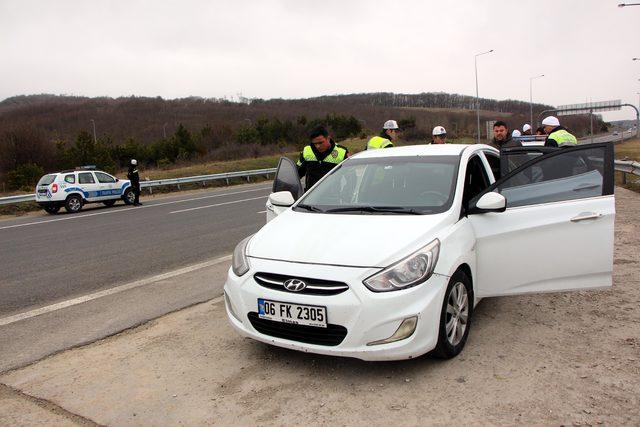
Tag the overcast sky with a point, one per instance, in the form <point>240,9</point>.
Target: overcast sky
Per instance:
<point>298,48</point>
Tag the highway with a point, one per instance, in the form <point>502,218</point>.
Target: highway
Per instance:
<point>49,258</point>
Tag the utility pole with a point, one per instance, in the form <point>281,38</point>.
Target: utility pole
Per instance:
<point>531,79</point>
<point>164,131</point>
<point>475,62</point>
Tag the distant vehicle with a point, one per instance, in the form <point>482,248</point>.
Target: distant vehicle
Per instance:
<point>387,255</point>
<point>73,188</point>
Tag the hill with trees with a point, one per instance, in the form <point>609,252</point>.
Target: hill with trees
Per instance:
<point>42,133</point>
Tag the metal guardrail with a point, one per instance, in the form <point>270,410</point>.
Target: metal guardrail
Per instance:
<point>162,182</point>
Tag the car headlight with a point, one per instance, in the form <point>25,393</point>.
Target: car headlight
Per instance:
<point>240,262</point>
<point>410,271</point>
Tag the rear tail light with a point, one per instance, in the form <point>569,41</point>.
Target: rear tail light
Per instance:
<point>54,188</point>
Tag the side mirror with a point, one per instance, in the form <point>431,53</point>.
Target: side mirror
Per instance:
<point>117,179</point>
<point>489,202</point>
<point>281,198</point>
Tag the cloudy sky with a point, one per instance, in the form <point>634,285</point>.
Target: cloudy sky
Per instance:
<point>302,48</point>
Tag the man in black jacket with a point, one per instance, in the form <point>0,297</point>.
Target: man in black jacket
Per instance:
<point>319,157</point>
<point>132,175</point>
<point>502,136</point>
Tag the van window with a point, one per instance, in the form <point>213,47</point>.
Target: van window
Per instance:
<point>47,179</point>
<point>104,178</point>
<point>85,178</point>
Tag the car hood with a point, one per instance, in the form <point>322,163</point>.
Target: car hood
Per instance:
<point>344,239</point>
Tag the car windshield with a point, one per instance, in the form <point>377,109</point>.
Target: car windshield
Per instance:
<point>415,185</point>
<point>47,179</point>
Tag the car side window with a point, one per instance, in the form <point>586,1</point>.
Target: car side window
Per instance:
<point>85,178</point>
<point>494,163</point>
<point>567,175</point>
<point>104,178</point>
<point>70,179</point>
<point>475,180</point>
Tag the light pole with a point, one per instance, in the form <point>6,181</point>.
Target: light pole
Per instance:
<point>95,140</point>
<point>531,79</point>
<point>628,4</point>
<point>164,131</point>
<point>475,63</point>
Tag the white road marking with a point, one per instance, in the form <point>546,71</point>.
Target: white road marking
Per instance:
<point>131,208</point>
<point>75,301</point>
<point>217,204</point>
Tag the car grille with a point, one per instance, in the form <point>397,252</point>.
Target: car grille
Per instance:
<point>332,335</point>
<point>314,286</point>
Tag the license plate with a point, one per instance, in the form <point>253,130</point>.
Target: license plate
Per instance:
<point>297,314</point>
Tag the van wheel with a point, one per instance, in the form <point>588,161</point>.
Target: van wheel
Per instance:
<point>129,197</point>
<point>455,318</point>
<point>52,209</point>
<point>73,203</point>
<point>109,202</point>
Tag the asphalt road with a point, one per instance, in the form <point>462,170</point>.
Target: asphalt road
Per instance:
<point>46,259</point>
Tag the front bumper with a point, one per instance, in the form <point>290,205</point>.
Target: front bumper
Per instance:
<point>367,316</point>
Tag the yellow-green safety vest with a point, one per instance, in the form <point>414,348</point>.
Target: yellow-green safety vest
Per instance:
<point>562,137</point>
<point>336,156</point>
<point>379,142</point>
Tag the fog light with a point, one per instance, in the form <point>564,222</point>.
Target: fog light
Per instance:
<point>230,307</point>
<point>405,330</point>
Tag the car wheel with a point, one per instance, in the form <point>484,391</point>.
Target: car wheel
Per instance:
<point>109,202</point>
<point>52,209</point>
<point>129,197</point>
<point>455,318</point>
<point>73,203</point>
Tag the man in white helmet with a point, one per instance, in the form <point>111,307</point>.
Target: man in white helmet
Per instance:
<point>439,135</point>
<point>134,177</point>
<point>387,137</point>
<point>526,129</point>
<point>557,135</point>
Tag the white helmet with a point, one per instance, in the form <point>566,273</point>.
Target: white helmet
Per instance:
<point>526,127</point>
<point>439,130</point>
<point>390,124</point>
<point>134,162</point>
<point>551,121</point>
<point>515,133</point>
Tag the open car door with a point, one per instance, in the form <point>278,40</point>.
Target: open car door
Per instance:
<point>556,233</point>
<point>286,180</point>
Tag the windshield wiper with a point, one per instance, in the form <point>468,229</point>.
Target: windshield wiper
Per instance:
<point>377,209</point>
<point>309,208</point>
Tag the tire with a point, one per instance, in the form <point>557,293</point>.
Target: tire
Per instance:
<point>109,202</point>
<point>455,318</point>
<point>73,203</point>
<point>52,209</point>
<point>129,196</point>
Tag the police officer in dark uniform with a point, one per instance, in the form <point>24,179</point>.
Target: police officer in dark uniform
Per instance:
<point>320,156</point>
<point>132,175</point>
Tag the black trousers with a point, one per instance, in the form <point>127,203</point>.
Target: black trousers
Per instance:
<point>136,192</point>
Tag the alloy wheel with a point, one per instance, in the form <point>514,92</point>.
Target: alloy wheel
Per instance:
<point>457,313</point>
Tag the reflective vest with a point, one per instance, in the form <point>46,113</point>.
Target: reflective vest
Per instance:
<point>379,142</point>
<point>337,156</point>
<point>562,137</point>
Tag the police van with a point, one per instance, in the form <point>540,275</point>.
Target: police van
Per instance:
<point>74,188</point>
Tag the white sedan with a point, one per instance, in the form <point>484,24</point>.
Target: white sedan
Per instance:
<point>386,256</point>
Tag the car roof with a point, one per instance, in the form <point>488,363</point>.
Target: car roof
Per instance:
<point>420,150</point>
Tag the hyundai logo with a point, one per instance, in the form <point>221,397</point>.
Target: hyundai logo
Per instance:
<point>294,285</point>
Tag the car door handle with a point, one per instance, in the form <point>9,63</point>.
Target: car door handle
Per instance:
<point>585,216</point>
